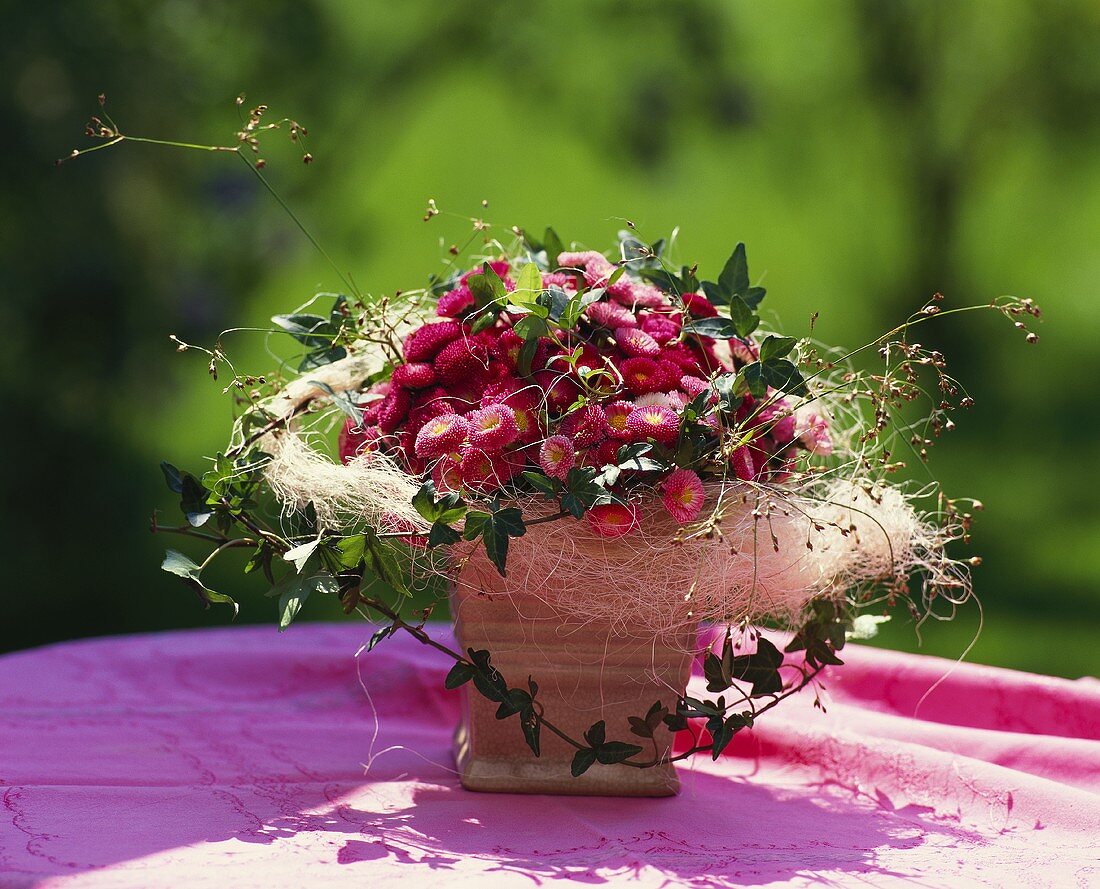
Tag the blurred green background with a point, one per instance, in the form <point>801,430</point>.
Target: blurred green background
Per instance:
<point>869,152</point>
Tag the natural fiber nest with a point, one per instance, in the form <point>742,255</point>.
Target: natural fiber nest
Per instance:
<point>771,549</point>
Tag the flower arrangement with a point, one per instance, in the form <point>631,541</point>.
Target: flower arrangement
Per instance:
<point>613,434</point>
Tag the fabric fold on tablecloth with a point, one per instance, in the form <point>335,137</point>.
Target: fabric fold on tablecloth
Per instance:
<point>237,757</point>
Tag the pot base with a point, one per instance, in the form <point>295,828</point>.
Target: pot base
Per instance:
<point>586,673</point>
<point>503,774</point>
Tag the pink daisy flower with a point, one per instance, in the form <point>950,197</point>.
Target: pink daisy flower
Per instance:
<point>655,422</point>
<point>440,435</point>
<point>559,392</point>
<point>641,375</point>
<point>460,360</point>
<point>698,305</point>
<point>661,328</point>
<point>683,495</point>
<point>616,415</point>
<point>611,315</point>
<point>499,266</point>
<point>586,427</point>
<point>741,461</point>
<point>447,472</point>
<point>636,343</point>
<point>492,428</point>
<point>482,472</point>
<point>612,519</point>
<point>425,342</point>
<point>455,302</point>
<point>417,375</point>
<point>393,409</point>
<point>608,452</point>
<point>557,456</point>
<point>693,385</point>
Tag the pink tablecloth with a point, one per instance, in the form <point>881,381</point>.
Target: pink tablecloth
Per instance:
<point>234,758</point>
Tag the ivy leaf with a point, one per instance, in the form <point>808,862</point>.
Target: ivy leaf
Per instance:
<point>783,375</point>
<point>776,347</point>
<point>306,328</point>
<point>178,564</point>
<point>735,275</point>
<point>193,502</point>
<point>719,328</point>
<point>583,760</point>
<point>442,535</point>
<point>383,560</point>
<point>487,678</point>
<point>616,751</point>
<point>543,483</point>
<point>459,675</point>
<point>294,589</point>
<point>446,509</point>
<point>531,725</point>
<point>172,477</point>
<point>745,320</point>
<point>495,528</point>
<point>761,668</point>
<point>299,555</point>
<point>350,550</point>
<point>596,734</point>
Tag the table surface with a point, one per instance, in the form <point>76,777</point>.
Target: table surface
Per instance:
<point>239,757</point>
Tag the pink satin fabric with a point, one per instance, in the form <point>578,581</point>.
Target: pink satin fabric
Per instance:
<point>239,758</point>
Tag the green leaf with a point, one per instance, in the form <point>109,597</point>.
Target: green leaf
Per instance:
<point>530,327</point>
<point>745,320</point>
<point>553,246</point>
<point>596,734</point>
<point>782,374</point>
<point>459,674</point>
<point>543,483</point>
<point>531,725</point>
<point>193,501</point>
<point>616,751</point>
<point>776,347</point>
<point>527,356</point>
<point>446,509</point>
<point>442,535</point>
<point>495,528</point>
<point>299,555</point>
<point>350,550</point>
<point>483,322</point>
<point>528,283</point>
<point>305,328</point>
<point>178,564</point>
<point>172,477</point>
<point>761,668</point>
<point>294,589</point>
<point>576,305</point>
<point>717,327</point>
<point>753,296</point>
<point>380,634</point>
<point>583,760</point>
<point>341,400</point>
<point>735,275</point>
<point>384,561</point>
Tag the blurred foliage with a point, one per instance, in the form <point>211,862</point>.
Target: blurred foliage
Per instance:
<point>870,154</point>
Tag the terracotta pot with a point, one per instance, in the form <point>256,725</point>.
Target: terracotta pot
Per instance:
<point>585,673</point>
